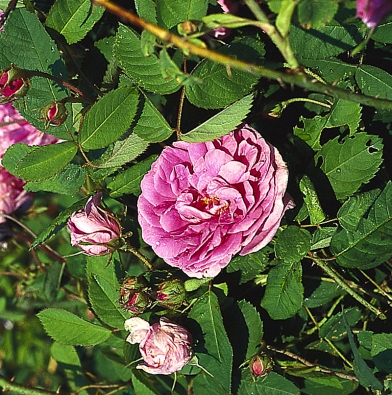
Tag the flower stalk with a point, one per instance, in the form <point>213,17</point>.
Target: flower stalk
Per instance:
<point>336,277</point>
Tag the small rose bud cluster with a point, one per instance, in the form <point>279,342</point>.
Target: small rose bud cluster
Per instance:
<point>165,346</point>
<point>95,229</point>
<point>170,294</point>
<point>14,84</point>
<point>134,295</point>
<point>54,114</point>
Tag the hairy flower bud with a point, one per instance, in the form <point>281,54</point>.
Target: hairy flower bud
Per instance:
<point>372,12</point>
<point>13,84</point>
<point>165,346</point>
<point>94,229</point>
<point>171,294</point>
<point>54,114</point>
<point>133,295</point>
<point>260,365</point>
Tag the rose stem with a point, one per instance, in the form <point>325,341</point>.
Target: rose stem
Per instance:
<point>333,274</point>
<point>139,255</point>
<point>180,106</point>
<point>307,363</point>
<point>7,385</point>
<point>297,78</point>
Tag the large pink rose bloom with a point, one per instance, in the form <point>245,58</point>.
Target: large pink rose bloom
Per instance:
<point>12,194</point>
<point>373,11</point>
<point>93,227</point>
<point>201,203</point>
<point>165,346</point>
<point>15,129</point>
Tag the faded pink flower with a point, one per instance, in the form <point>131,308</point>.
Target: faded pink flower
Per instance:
<point>372,12</point>
<point>94,227</point>
<point>165,346</point>
<point>202,203</point>
<point>12,194</point>
<point>15,129</point>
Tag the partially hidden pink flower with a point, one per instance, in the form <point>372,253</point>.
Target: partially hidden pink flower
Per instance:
<point>15,129</point>
<point>94,227</point>
<point>12,194</point>
<point>228,7</point>
<point>372,12</point>
<point>166,347</point>
<point>202,203</point>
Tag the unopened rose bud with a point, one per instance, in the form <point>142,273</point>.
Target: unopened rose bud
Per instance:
<point>133,297</point>
<point>13,84</point>
<point>94,229</point>
<point>260,365</point>
<point>165,346</point>
<point>54,114</point>
<point>372,12</point>
<point>171,294</point>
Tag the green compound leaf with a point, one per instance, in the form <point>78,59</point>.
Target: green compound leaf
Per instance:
<point>217,354</point>
<point>128,181</point>
<point>109,118</point>
<point>374,81</point>
<point>67,182</point>
<point>104,292</point>
<point>45,161</point>
<point>284,292</point>
<point>342,113</point>
<point>58,223</point>
<point>350,163</point>
<point>314,15</point>
<point>222,86</point>
<point>122,152</point>
<point>221,123</point>
<point>33,49</point>
<point>381,351</point>
<point>73,18</point>
<point>383,33</point>
<point>143,71</point>
<point>273,384</point>
<point>311,200</point>
<point>254,325</point>
<point>330,40</point>
<point>152,126</point>
<point>69,329</point>
<point>292,244</point>
<point>248,266</point>
<point>172,12</point>
<point>334,329</point>
<point>361,369</point>
<point>352,210</point>
<point>371,243</point>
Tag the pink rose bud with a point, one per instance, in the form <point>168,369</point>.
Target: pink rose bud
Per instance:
<point>165,346</point>
<point>12,194</point>
<point>13,84</point>
<point>133,295</point>
<point>54,114</point>
<point>372,12</point>
<point>202,203</point>
<point>260,365</point>
<point>94,229</point>
<point>171,294</point>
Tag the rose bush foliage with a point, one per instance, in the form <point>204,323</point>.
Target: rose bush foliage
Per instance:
<point>165,145</point>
